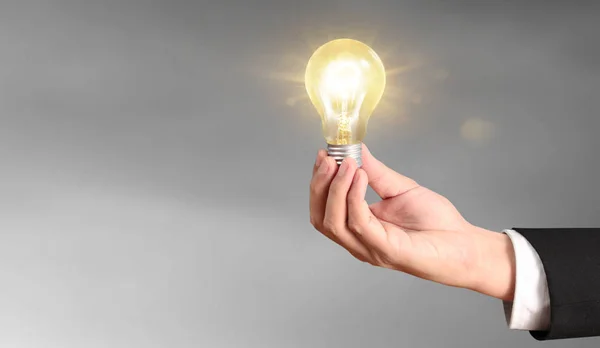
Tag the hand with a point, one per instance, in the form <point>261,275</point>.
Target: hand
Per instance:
<point>412,229</point>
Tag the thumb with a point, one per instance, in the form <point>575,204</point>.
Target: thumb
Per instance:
<point>384,181</point>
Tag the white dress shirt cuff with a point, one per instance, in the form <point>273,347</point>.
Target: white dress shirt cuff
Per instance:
<point>530,309</point>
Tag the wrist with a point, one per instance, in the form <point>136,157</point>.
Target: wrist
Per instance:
<point>495,265</point>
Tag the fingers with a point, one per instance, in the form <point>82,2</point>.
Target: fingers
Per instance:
<point>319,188</point>
<point>321,154</point>
<point>336,211</point>
<point>361,220</point>
<point>384,181</point>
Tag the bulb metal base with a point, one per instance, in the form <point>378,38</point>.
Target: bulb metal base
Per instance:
<point>339,152</point>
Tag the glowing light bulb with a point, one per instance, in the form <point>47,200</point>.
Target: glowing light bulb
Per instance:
<point>345,80</point>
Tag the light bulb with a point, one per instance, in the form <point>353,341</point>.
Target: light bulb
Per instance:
<point>345,80</point>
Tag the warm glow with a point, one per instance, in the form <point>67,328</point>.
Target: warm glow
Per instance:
<point>345,80</point>
<point>341,80</point>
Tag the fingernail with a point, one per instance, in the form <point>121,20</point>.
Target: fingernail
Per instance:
<point>323,167</point>
<point>343,167</point>
<point>356,176</point>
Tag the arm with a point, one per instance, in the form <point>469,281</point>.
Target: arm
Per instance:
<point>417,231</point>
<point>528,308</point>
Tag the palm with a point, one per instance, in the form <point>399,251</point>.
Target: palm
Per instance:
<point>419,209</point>
<point>425,234</point>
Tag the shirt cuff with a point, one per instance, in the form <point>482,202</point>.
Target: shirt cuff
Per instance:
<point>530,309</point>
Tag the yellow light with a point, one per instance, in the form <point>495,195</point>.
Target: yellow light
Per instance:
<point>345,80</point>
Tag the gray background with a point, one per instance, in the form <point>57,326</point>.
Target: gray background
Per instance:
<point>155,159</point>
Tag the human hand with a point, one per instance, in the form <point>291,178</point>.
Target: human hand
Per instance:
<point>412,229</point>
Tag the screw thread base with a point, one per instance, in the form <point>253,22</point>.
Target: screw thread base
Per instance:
<point>339,152</point>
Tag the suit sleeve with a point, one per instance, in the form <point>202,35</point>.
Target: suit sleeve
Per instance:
<point>530,308</point>
<point>571,261</point>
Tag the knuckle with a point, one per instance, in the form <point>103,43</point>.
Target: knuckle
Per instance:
<point>383,260</point>
<point>371,260</point>
<point>354,225</point>
<point>358,256</point>
<point>376,260</point>
<point>330,227</point>
<point>313,221</point>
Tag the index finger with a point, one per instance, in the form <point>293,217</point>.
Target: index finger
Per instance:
<point>385,182</point>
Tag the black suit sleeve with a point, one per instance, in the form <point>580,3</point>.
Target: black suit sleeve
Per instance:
<point>571,259</point>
